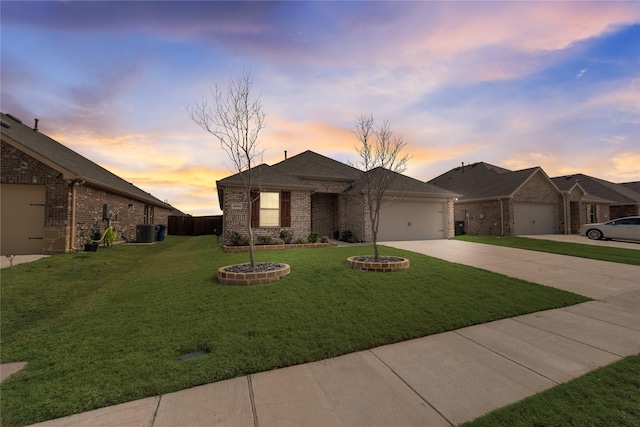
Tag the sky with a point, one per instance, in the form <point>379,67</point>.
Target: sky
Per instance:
<point>514,84</point>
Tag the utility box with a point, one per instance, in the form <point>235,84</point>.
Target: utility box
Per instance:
<point>145,233</point>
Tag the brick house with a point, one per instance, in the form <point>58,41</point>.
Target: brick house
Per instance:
<point>310,192</point>
<point>497,201</point>
<point>53,196</point>
<point>610,200</point>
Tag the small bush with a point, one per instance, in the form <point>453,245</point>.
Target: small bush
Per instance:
<point>236,239</point>
<point>314,237</point>
<point>264,240</point>
<point>324,239</point>
<point>277,241</point>
<point>286,236</point>
<point>301,241</point>
<point>348,236</point>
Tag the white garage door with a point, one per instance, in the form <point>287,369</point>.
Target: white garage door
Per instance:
<point>412,220</point>
<point>22,219</point>
<point>535,218</point>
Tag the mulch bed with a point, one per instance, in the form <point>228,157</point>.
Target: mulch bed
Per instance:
<point>259,268</point>
<point>371,258</point>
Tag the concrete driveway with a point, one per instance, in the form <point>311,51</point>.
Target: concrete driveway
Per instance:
<point>592,278</point>
<point>584,240</point>
<point>7,262</point>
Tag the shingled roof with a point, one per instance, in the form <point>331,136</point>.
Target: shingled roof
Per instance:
<point>483,181</point>
<point>266,176</point>
<point>616,193</point>
<point>71,164</point>
<point>402,184</point>
<point>312,165</point>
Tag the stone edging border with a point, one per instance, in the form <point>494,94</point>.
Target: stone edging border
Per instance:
<point>236,249</point>
<point>257,278</point>
<point>378,266</point>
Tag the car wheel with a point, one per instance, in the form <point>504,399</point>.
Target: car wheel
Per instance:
<point>594,234</point>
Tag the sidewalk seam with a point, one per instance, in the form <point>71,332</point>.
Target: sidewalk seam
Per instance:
<point>595,318</point>
<point>155,413</point>
<point>411,388</point>
<point>571,338</point>
<point>505,357</point>
<point>254,412</point>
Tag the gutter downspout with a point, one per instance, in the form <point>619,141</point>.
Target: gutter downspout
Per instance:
<point>73,213</point>
<point>501,217</point>
<point>564,212</point>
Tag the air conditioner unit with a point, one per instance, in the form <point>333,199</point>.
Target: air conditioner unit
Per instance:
<point>145,233</point>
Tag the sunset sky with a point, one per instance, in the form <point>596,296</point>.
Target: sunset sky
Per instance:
<point>514,84</point>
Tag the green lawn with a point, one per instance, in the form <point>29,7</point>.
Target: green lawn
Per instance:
<point>608,397</point>
<point>602,253</point>
<point>103,328</point>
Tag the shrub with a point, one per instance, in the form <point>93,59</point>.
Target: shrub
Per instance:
<point>286,236</point>
<point>264,240</point>
<point>324,239</point>
<point>301,241</point>
<point>236,239</point>
<point>314,237</point>
<point>348,236</point>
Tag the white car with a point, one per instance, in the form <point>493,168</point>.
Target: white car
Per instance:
<point>627,228</point>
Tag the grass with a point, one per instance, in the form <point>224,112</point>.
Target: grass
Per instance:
<point>607,397</point>
<point>602,253</point>
<point>104,328</point>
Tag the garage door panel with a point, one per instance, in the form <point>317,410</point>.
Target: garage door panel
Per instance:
<point>411,221</point>
<point>535,218</point>
<point>22,218</point>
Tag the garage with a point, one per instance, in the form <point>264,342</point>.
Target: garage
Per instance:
<point>22,219</point>
<point>535,218</point>
<point>412,220</point>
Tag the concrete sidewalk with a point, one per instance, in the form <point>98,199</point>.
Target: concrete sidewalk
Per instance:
<point>439,380</point>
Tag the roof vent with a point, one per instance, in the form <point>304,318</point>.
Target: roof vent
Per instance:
<point>6,125</point>
<point>35,127</point>
<point>12,117</point>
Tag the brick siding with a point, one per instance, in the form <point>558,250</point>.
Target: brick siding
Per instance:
<point>236,220</point>
<point>20,168</point>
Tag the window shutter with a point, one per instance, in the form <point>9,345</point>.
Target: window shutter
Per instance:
<point>285,209</point>
<point>255,209</point>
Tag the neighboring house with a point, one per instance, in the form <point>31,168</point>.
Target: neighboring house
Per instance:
<point>616,200</point>
<point>497,201</point>
<point>313,193</point>
<point>53,196</point>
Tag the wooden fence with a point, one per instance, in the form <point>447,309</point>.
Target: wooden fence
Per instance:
<point>194,225</point>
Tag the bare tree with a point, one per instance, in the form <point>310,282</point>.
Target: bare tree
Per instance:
<point>381,158</point>
<point>235,119</point>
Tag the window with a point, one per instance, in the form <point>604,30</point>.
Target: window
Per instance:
<point>148,214</point>
<point>269,209</point>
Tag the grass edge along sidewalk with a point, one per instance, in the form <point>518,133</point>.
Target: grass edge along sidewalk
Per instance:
<point>602,253</point>
<point>606,397</point>
<point>103,328</point>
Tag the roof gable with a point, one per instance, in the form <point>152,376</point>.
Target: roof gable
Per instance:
<point>263,176</point>
<point>401,184</point>
<point>482,180</point>
<point>67,161</point>
<point>311,165</point>
<point>616,193</point>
